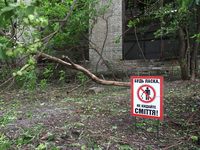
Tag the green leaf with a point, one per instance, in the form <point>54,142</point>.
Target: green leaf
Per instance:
<point>193,36</point>
<point>117,40</point>
<point>131,23</point>
<point>194,138</point>
<point>8,14</point>
<point>8,11</point>
<point>9,8</point>
<point>149,129</point>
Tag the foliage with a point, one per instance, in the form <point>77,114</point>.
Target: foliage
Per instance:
<point>4,73</point>
<point>49,71</point>
<point>62,76</point>
<point>71,34</point>
<point>43,83</point>
<point>194,138</point>
<point>187,3</point>
<point>38,19</point>
<point>28,80</point>
<point>82,77</point>
<point>175,20</point>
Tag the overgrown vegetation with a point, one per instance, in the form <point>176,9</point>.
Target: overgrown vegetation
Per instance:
<point>179,20</point>
<point>80,120</point>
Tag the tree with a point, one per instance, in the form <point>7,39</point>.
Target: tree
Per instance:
<point>71,20</point>
<point>178,20</point>
<point>190,64</point>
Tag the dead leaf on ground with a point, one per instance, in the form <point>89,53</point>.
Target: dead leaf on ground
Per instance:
<point>46,136</point>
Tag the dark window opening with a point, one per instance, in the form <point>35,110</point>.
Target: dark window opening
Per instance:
<point>139,42</point>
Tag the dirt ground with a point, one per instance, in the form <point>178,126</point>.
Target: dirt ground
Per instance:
<point>53,119</point>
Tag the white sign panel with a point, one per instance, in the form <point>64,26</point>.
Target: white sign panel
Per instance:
<point>147,96</point>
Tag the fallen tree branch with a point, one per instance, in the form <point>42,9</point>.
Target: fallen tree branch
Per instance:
<point>85,71</point>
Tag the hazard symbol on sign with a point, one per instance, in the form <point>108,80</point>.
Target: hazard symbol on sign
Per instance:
<point>146,93</point>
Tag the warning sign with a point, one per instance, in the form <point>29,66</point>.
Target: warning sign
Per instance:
<point>147,96</point>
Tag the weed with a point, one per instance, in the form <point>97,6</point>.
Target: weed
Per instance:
<point>4,143</point>
<point>82,77</point>
<point>75,145</point>
<point>49,71</point>
<point>62,76</point>
<point>41,147</point>
<point>43,84</point>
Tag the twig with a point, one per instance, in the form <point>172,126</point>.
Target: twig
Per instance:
<point>10,84</point>
<point>192,115</point>
<point>83,56</point>
<point>139,45</point>
<point>11,21</point>
<point>21,32</point>
<point>102,77</point>
<point>143,2</point>
<point>172,146</point>
<point>70,140</point>
<point>92,47</point>
<point>104,42</point>
<point>108,146</point>
<point>23,58</point>
<point>148,10</point>
<point>12,77</point>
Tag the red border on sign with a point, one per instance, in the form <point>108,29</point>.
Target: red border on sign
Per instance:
<point>161,96</point>
<point>152,98</point>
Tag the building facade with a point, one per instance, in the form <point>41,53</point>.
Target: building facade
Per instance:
<point>137,51</point>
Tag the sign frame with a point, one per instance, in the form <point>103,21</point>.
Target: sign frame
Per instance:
<point>157,97</point>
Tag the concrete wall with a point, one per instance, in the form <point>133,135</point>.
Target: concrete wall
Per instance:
<point>107,29</point>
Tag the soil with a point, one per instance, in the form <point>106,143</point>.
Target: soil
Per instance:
<point>52,119</point>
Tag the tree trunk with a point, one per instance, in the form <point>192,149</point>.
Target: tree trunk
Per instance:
<point>181,55</point>
<point>196,45</point>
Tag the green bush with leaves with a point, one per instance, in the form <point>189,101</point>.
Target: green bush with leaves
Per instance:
<point>38,19</point>
<point>28,80</point>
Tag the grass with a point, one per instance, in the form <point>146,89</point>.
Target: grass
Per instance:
<point>96,121</point>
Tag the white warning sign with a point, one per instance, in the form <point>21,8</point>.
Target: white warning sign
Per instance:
<point>147,96</point>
